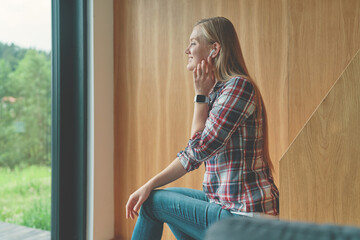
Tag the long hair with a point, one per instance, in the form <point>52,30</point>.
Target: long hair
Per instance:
<point>230,63</point>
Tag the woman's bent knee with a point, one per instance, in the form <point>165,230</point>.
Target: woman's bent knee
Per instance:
<point>151,202</point>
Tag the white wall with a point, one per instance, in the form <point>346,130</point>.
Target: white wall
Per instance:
<point>101,227</point>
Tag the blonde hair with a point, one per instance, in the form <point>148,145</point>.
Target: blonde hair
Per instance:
<point>229,63</point>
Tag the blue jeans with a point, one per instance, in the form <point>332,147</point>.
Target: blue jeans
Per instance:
<point>188,213</point>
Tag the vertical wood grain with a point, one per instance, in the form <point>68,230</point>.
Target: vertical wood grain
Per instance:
<point>321,166</point>
<point>324,36</point>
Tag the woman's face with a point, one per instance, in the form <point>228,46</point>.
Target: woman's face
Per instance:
<point>197,50</point>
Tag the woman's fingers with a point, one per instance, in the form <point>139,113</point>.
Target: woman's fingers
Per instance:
<point>138,205</point>
<point>135,213</point>
<point>203,66</point>
<point>127,209</point>
<point>210,62</point>
<point>132,213</point>
<point>198,69</point>
<point>203,77</point>
<point>130,207</point>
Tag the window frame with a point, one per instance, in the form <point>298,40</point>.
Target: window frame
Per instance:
<point>69,119</point>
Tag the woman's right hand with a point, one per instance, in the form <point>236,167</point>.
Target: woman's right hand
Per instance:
<point>203,76</point>
<point>136,200</point>
<point>172,172</point>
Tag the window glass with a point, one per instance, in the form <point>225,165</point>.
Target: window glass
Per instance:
<point>25,113</point>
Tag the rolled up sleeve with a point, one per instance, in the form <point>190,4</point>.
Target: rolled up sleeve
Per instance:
<point>235,103</point>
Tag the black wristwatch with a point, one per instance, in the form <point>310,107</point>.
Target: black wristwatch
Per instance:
<point>201,99</point>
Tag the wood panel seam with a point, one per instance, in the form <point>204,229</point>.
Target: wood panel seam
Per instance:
<point>319,104</point>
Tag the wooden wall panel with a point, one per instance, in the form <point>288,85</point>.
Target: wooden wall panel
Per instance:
<point>321,166</point>
<point>324,35</point>
<point>154,93</point>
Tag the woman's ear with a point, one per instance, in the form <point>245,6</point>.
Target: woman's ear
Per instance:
<point>216,47</point>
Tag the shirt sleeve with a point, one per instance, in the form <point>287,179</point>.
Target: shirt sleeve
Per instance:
<point>236,102</point>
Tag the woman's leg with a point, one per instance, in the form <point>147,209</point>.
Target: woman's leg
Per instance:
<point>179,235</point>
<point>193,193</point>
<point>180,208</point>
<point>196,194</point>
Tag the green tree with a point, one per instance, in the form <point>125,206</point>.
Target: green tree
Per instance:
<point>5,69</point>
<point>12,54</point>
<point>25,112</point>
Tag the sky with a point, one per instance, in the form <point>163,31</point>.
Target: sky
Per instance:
<point>26,23</point>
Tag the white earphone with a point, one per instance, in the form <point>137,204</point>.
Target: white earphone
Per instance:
<point>212,51</point>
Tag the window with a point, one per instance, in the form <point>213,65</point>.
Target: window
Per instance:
<point>25,113</point>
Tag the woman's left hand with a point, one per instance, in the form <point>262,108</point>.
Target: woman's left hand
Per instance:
<point>204,79</point>
<point>136,200</point>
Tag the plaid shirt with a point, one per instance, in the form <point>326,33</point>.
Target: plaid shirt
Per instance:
<point>231,146</point>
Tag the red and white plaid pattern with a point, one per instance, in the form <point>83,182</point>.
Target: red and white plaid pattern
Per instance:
<point>231,146</point>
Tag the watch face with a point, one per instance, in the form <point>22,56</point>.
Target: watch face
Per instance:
<point>200,98</point>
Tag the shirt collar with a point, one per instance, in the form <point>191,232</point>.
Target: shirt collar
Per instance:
<point>217,86</point>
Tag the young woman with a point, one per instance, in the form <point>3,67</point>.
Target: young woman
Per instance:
<point>228,135</point>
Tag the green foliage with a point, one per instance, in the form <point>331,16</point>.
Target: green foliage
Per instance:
<point>12,54</point>
<point>38,216</point>
<point>25,136</point>
<point>25,107</point>
<point>25,196</point>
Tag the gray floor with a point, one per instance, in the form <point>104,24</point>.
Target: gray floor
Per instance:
<point>16,232</point>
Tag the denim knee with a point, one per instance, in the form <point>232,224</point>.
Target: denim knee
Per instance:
<point>147,206</point>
